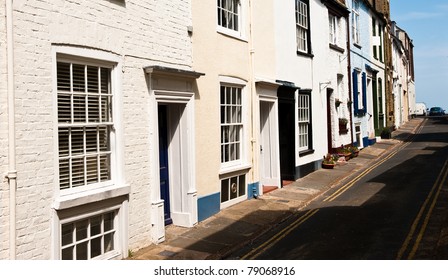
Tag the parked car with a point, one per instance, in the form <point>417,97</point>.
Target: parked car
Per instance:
<point>420,109</point>
<point>436,111</point>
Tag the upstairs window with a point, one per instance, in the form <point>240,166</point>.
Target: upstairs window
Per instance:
<point>302,26</point>
<point>85,124</point>
<point>229,14</point>
<point>333,27</point>
<point>355,22</point>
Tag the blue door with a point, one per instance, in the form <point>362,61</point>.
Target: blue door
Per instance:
<point>163,162</point>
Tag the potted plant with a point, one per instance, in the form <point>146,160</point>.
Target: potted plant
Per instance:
<point>386,133</point>
<point>329,161</point>
<point>354,150</point>
<point>344,152</point>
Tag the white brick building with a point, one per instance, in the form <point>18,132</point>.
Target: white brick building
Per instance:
<point>84,87</point>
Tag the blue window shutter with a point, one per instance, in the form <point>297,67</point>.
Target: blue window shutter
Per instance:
<point>364,92</point>
<point>355,92</point>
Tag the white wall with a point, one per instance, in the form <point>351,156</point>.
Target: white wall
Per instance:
<point>141,33</point>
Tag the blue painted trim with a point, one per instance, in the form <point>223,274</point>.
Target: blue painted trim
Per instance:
<point>208,206</point>
<point>365,141</point>
<point>252,190</point>
<point>372,141</point>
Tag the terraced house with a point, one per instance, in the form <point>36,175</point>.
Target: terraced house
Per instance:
<point>120,117</point>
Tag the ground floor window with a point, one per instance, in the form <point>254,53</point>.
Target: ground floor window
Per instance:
<point>89,238</point>
<point>233,188</point>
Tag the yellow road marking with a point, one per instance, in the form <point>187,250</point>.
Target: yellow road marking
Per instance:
<point>437,185</point>
<point>280,235</point>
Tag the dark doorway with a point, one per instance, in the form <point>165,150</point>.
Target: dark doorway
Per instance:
<point>163,162</point>
<point>286,126</point>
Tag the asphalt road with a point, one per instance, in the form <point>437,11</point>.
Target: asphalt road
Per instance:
<point>393,210</point>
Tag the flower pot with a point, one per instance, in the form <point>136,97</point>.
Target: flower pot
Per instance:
<point>328,165</point>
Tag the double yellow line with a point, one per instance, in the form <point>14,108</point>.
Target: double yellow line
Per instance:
<point>350,184</point>
<point>284,232</point>
<point>280,235</point>
<point>429,202</point>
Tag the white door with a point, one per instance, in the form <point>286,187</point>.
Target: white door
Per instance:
<point>269,151</point>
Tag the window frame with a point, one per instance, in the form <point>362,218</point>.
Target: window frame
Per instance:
<point>239,32</point>
<point>116,185</point>
<point>302,23</point>
<point>240,161</point>
<point>333,21</point>
<point>307,120</point>
<point>83,127</point>
<point>115,251</point>
<point>356,36</point>
<point>239,197</point>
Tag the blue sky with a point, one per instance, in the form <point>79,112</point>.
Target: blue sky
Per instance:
<point>426,22</point>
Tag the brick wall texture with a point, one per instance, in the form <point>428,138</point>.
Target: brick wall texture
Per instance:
<point>150,32</point>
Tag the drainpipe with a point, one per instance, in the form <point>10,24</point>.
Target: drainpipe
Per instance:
<point>349,70</point>
<point>12,173</point>
<point>254,146</point>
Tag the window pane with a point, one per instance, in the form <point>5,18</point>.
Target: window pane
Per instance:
<point>109,242</point>
<point>63,70</point>
<point>103,133</point>
<point>77,172</point>
<point>92,79</point>
<point>95,247</point>
<point>79,78</point>
<point>67,234</point>
<point>64,108</point>
<point>95,225</point>
<point>224,190</point>
<point>81,229</point>
<point>233,187</point>
<point>92,169</point>
<point>79,108</point>
<point>109,221</point>
<point>77,141</point>
<point>91,140</point>
<point>94,108</point>
<point>106,109</point>
<point>242,185</point>
<point>104,168</point>
<point>67,253</point>
<point>81,251</point>
<point>64,174</point>
<point>63,142</point>
<point>105,80</point>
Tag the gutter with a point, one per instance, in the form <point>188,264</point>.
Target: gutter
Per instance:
<point>12,172</point>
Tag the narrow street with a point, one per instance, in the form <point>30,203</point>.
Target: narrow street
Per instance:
<point>395,209</point>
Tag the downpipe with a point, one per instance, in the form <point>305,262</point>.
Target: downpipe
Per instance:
<point>12,172</point>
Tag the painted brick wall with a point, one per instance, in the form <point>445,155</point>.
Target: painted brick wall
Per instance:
<point>4,195</point>
<point>141,32</point>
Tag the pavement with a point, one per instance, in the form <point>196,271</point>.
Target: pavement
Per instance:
<point>236,226</point>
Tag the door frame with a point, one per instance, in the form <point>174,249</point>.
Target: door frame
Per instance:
<point>274,156</point>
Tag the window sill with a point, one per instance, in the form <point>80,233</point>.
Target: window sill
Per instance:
<point>357,45</point>
<point>336,48</point>
<point>306,152</point>
<point>310,55</point>
<point>77,199</point>
<point>235,169</point>
<point>232,34</point>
